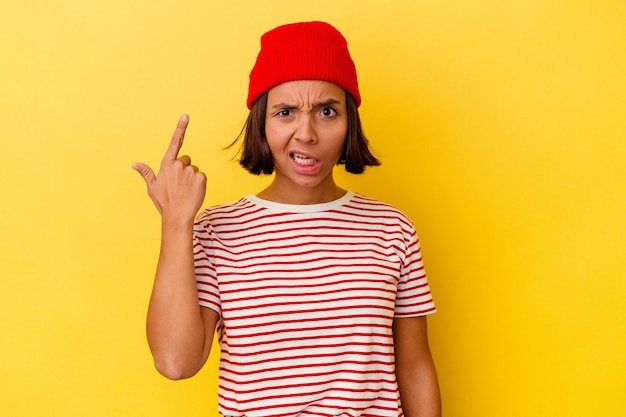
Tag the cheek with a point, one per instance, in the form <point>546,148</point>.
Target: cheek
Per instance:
<point>277,145</point>
<point>272,135</point>
<point>340,137</point>
<point>277,130</point>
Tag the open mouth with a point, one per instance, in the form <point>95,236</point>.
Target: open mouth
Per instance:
<point>303,159</point>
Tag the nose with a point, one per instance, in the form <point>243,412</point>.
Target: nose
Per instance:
<point>305,130</point>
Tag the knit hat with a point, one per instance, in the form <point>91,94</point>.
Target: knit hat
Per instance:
<point>303,51</point>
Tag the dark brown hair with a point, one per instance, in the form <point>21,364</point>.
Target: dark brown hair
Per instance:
<point>256,155</point>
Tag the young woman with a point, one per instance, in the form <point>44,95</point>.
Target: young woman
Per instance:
<point>317,294</point>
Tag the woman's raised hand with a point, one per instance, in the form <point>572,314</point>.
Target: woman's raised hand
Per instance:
<point>179,188</point>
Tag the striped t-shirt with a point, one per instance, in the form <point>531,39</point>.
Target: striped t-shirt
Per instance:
<point>306,296</point>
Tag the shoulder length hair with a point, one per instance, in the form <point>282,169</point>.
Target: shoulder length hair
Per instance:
<point>256,156</point>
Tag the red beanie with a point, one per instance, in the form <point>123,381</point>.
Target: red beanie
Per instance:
<point>303,51</point>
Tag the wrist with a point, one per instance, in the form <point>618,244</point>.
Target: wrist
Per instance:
<point>180,223</point>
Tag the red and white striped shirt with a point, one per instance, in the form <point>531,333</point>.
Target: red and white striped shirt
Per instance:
<point>306,296</point>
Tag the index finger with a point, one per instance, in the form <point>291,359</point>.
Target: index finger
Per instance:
<point>177,139</point>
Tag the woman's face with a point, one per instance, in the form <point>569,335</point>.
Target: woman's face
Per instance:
<point>306,126</point>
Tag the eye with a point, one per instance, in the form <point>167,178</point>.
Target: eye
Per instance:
<point>284,113</point>
<point>328,111</point>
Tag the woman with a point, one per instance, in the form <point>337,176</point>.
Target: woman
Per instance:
<point>318,295</point>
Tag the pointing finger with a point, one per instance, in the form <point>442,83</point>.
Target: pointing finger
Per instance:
<point>146,172</point>
<point>177,139</point>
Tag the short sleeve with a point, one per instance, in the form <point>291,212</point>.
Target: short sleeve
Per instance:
<point>204,263</point>
<point>413,298</point>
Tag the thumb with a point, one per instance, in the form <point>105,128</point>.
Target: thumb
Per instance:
<point>146,172</point>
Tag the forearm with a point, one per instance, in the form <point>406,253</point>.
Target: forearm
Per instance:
<point>174,324</point>
<point>419,391</point>
<point>415,368</point>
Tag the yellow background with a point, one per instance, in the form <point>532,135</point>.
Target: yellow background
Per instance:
<point>502,129</point>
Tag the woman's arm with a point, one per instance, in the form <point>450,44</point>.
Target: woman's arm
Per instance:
<point>415,368</point>
<point>180,332</point>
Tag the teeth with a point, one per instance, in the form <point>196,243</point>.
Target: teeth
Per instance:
<point>302,160</point>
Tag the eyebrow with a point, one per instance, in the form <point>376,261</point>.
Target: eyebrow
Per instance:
<point>325,103</point>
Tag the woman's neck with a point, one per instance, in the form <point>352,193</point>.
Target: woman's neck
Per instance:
<point>301,195</point>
